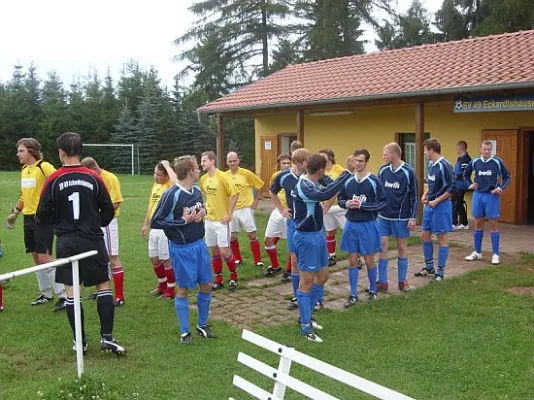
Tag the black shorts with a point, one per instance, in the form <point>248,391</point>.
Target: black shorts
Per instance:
<point>93,270</point>
<point>37,238</point>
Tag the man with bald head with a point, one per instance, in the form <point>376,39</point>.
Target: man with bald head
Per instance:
<point>111,232</point>
<point>246,182</point>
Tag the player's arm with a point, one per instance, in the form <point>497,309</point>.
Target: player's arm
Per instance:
<point>105,206</point>
<point>166,207</point>
<point>505,176</point>
<point>468,171</point>
<point>15,211</point>
<point>233,193</point>
<point>257,184</point>
<point>343,197</point>
<point>115,193</point>
<point>414,190</point>
<point>45,210</point>
<point>172,175</point>
<point>449,186</point>
<point>314,193</point>
<point>379,203</point>
<point>146,223</point>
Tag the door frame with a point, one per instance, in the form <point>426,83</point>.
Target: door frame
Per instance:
<point>523,169</point>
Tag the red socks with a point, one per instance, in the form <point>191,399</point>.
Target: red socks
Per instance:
<point>275,240</point>
<point>216,263</point>
<point>331,244</point>
<point>273,256</point>
<point>255,248</point>
<point>159,270</point>
<point>230,263</point>
<point>288,268</point>
<point>171,280</point>
<point>236,251</point>
<point>118,281</point>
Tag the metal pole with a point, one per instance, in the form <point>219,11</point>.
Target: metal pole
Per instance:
<point>132,159</point>
<point>77,317</point>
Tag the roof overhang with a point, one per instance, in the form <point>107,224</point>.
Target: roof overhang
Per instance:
<point>463,90</point>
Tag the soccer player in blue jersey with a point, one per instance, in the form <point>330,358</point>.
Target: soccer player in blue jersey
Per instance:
<point>180,213</point>
<point>491,178</point>
<point>363,196</point>
<point>287,180</point>
<point>437,217</point>
<point>398,217</point>
<point>309,240</point>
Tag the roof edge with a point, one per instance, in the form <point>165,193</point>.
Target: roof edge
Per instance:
<point>382,96</point>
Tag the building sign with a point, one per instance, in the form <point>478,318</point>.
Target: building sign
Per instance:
<point>494,103</point>
<point>268,145</point>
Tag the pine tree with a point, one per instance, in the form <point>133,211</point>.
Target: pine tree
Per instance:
<point>125,132</point>
<point>147,132</point>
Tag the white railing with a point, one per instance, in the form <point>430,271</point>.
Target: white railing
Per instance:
<point>283,380</point>
<point>76,288</point>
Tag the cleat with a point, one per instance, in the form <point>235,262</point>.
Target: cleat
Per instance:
<point>60,305</point>
<point>314,324</point>
<point>156,292</point>
<point>112,346</point>
<point>185,338</point>
<point>259,264</point>
<point>118,302</point>
<point>41,300</point>
<point>84,346</point>
<point>332,260</point>
<point>293,304</point>
<point>437,278</point>
<point>1,308</point>
<point>377,283</point>
<point>495,259</point>
<point>205,332</point>
<point>462,227</point>
<point>360,264</point>
<point>91,297</point>
<point>404,286</point>
<point>272,272</point>
<point>286,277</point>
<point>474,256</point>
<point>312,337</point>
<point>167,296</point>
<point>238,263</point>
<point>217,286</point>
<point>352,300</point>
<point>382,287</point>
<point>425,272</point>
<point>318,306</point>
<point>371,296</point>
<point>232,285</point>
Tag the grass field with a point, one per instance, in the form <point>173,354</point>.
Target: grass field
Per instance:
<point>469,338</point>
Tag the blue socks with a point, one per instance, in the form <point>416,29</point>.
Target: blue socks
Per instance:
<point>383,270</point>
<point>304,301</point>
<point>495,239</point>
<point>353,280</point>
<point>372,273</point>
<point>477,236</point>
<point>203,305</point>
<point>402,265</point>
<point>182,311</point>
<point>295,280</point>
<point>317,293</point>
<point>428,252</point>
<point>443,254</point>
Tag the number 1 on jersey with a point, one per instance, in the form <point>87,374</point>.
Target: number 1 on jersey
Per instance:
<point>75,198</point>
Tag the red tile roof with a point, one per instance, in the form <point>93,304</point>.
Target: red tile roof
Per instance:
<point>478,64</point>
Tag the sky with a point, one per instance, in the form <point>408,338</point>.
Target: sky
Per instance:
<point>72,39</point>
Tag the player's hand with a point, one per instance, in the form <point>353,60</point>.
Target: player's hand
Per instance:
<point>144,229</point>
<point>189,216</point>
<point>11,219</point>
<point>287,214</point>
<point>412,224</point>
<point>433,203</point>
<point>227,218</point>
<point>255,204</point>
<point>424,199</point>
<point>353,203</point>
<point>473,186</point>
<point>326,208</point>
<point>165,164</point>
<point>497,191</point>
<point>351,163</point>
<point>201,213</point>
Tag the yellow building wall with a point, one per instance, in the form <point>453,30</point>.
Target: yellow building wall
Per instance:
<point>373,127</point>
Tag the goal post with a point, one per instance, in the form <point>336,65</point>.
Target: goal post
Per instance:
<point>131,146</point>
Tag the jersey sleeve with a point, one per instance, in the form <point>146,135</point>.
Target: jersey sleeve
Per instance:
<point>254,180</point>
<point>165,208</point>
<point>313,193</point>
<point>380,200</point>
<point>45,214</point>
<point>468,171</point>
<point>48,169</point>
<point>448,178</point>
<point>105,206</point>
<point>276,186</point>
<point>343,197</point>
<point>414,188</point>
<point>505,176</point>
<point>229,186</point>
<point>201,184</point>
<point>115,190</point>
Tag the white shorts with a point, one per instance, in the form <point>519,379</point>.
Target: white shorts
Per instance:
<point>217,233</point>
<point>276,226</point>
<point>158,244</point>
<point>335,218</point>
<point>111,237</point>
<point>243,219</point>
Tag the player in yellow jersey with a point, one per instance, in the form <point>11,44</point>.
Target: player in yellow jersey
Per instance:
<point>111,232</point>
<point>38,240</point>
<point>277,226</point>
<point>221,199</point>
<point>246,182</point>
<point>158,244</point>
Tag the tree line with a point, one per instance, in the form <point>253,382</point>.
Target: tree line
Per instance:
<point>232,43</point>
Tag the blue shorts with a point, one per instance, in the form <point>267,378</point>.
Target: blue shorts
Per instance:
<point>438,220</point>
<point>361,238</point>
<point>311,251</point>
<point>191,263</point>
<point>486,205</point>
<point>396,228</point>
<point>291,228</point>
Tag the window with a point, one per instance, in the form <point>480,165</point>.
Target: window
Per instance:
<point>407,143</point>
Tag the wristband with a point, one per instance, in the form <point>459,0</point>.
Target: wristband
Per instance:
<point>16,211</point>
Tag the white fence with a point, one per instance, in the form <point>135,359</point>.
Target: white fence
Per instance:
<point>283,380</point>
<point>76,288</point>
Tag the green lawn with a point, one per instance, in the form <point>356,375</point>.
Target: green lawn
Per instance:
<point>469,338</point>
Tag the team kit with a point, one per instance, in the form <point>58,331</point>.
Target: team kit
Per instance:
<point>192,223</point>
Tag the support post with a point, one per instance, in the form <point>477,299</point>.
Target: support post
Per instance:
<point>77,317</point>
<point>220,141</point>
<point>300,126</point>
<point>419,155</point>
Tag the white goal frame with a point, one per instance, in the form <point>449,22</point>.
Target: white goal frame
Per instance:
<point>131,146</point>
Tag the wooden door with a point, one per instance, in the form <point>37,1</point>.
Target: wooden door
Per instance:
<point>507,147</point>
<point>267,160</point>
